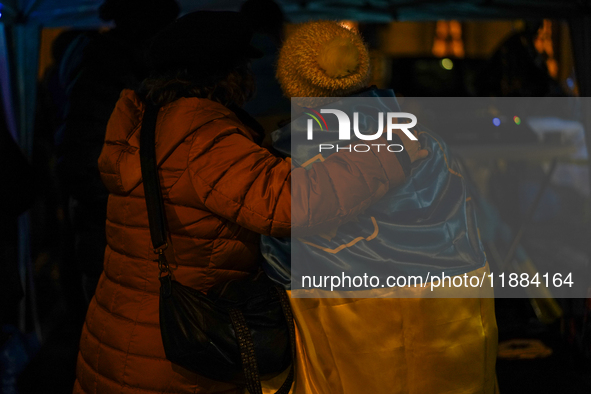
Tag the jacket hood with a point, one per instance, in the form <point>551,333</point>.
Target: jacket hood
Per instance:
<point>119,162</point>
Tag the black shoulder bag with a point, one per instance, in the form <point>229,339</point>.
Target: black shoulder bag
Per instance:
<point>241,331</point>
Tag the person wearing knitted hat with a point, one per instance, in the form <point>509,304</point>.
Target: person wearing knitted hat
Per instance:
<point>322,59</point>
<point>385,345</point>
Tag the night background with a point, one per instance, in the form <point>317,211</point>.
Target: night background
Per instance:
<point>521,48</point>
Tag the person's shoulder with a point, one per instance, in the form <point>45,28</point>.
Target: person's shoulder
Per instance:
<point>201,105</point>
<point>129,103</point>
<point>210,120</point>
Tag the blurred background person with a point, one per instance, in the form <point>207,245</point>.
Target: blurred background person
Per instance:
<point>19,191</point>
<point>269,106</point>
<point>110,62</point>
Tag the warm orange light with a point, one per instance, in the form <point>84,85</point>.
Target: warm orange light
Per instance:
<point>439,48</point>
<point>448,39</point>
<point>455,29</point>
<point>543,44</point>
<point>351,25</point>
<point>442,29</point>
<point>457,48</point>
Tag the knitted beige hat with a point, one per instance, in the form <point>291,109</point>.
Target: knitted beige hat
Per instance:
<point>322,59</point>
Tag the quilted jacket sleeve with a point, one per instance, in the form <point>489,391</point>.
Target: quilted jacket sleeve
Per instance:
<point>243,182</point>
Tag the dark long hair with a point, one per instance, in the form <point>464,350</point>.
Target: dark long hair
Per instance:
<point>234,88</point>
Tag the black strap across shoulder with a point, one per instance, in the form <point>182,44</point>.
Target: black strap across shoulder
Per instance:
<point>159,236</point>
<point>154,202</point>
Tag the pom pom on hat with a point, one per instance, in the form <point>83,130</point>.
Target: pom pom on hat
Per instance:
<point>338,57</point>
<point>322,59</point>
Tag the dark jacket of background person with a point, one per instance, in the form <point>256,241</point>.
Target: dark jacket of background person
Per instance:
<point>16,196</point>
<point>221,191</point>
<point>517,69</point>
<point>269,105</point>
<point>110,62</point>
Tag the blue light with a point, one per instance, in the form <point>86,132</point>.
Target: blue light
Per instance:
<point>570,83</point>
<point>497,122</point>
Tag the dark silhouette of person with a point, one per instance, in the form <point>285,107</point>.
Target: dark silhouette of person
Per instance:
<point>517,69</point>
<point>110,62</point>
<point>19,190</point>
<point>267,20</point>
<point>18,194</point>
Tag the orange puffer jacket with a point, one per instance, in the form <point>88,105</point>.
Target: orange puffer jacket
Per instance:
<point>221,191</point>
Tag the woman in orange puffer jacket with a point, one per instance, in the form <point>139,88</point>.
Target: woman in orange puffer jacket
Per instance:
<point>221,191</point>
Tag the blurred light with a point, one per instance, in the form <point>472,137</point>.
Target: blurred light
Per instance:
<point>570,83</point>
<point>448,39</point>
<point>349,25</point>
<point>447,64</point>
<point>544,45</point>
<point>455,29</point>
<point>517,120</point>
<point>442,29</point>
<point>439,48</point>
<point>458,48</point>
<point>497,122</point>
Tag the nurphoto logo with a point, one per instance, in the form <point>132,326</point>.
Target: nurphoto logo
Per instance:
<point>345,129</point>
